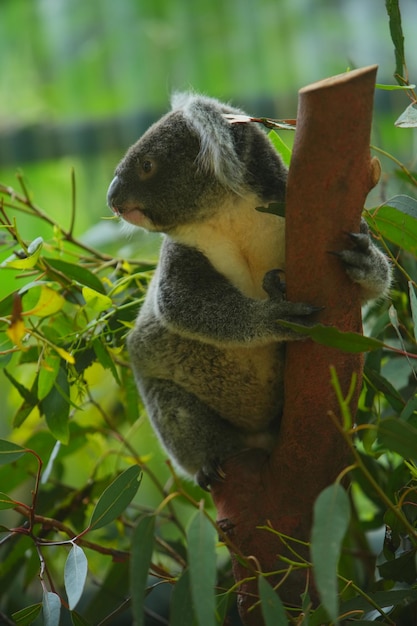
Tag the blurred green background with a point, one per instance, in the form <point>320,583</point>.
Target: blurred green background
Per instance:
<point>80,81</point>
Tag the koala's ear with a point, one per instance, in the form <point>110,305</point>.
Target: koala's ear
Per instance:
<point>205,116</point>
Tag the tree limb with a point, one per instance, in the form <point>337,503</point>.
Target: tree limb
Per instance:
<point>330,176</point>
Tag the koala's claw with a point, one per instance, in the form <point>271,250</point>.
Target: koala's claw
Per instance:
<point>206,475</point>
<point>361,241</point>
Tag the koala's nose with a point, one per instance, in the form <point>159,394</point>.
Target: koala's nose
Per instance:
<point>112,193</point>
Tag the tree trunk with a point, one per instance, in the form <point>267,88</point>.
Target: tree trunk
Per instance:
<point>330,176</point>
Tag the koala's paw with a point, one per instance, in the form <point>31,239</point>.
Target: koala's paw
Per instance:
<point>273,285</point>
<point>211,472</point>
<point>366,265</point>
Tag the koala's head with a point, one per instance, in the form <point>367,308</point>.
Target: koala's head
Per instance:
<point>185,165</point>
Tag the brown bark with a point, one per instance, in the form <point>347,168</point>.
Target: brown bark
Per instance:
<point>330,175</point>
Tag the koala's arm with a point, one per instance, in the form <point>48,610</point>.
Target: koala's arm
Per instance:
<point>193,299</point>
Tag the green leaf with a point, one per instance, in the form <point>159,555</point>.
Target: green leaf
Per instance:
<point>272,608</point>
<point>386,388</point>
<point>274,208</point>
<point>33,253</point>
<point>95,300</point>
<point>397,36</point>
<point>48,373</point>
<point>10,452</point>
<point>201,538</point>
<point>402,569</point>
<point>6,502</point>
<point>413,304</point>
<point>75,574</point>
<point>78,273</point>
<point>105,358</point>
<point>28,395</point>
<point>398,436</point>
<point>56,407</point>
<point>78,620</point>
<point>280,146</point>
<point>335,338</point>
<point>26,616</point>
<point>394,87</point>
<point>51,606</point>
<point>403,203</point>
<point>396,221</point>
<point>141,554</point>
<point>330,523</point>
<point>383,599</point>
<point>181,610</point>
<point>114,500</point>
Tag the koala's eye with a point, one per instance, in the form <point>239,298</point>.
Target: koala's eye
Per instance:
<point>147,166</point>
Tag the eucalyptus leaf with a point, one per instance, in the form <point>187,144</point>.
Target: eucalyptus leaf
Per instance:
<point>398,436</point>
<point>75,574</point>
<point>331,521</point>
<point>141,554</point>
<point>272,608</point>
<point>201,538</point>
<point>10,452</point>
<point>51,606</point>
<point>114,500</point>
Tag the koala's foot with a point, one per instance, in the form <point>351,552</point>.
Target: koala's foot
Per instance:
<point>366,264</point>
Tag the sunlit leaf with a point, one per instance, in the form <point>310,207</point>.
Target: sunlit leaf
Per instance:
<point>29,260</point>
<point>47,373</point>
<point>10,452</point>
<point>281,147</point>
<point>201,537</point>
<point>272,608</point>
<point>75,574</point>
<point>26,616</point>
<point>51,606</point>
<point>65,355</point>
<point>49,302</point>
<point>16,331</point>
<point>114,500</point>
<point>96,300</point>
<point>394,87</point>
<point>141,553</point>
<point>331,520</point>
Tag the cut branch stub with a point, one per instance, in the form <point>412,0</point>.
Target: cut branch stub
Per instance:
<point>330,176</point>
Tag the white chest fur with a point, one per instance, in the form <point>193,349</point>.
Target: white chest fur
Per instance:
<point>240,242</point>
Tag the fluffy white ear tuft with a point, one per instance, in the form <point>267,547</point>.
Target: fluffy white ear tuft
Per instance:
<point>205,116</point>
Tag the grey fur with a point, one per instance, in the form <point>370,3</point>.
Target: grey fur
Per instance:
<point>207,349</point>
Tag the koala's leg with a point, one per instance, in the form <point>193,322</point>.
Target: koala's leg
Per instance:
<point>194,435</point>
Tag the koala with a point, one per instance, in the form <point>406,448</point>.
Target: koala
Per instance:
<point>208,350</point>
